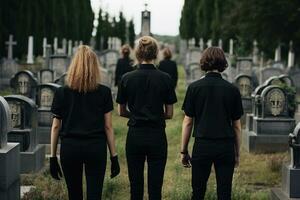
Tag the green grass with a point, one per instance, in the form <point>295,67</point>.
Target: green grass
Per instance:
<point>252,180</point>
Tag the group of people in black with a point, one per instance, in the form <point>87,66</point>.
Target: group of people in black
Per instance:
<point>82,119</point>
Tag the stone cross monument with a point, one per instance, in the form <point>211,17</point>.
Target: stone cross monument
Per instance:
<point>10,44</point>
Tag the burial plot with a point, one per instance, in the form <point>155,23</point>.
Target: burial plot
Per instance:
<point>44,101</point>
<point>271,122</point>
<point>9,158</point>
<point>61,80</point>
<point>24,131</point>
<point>46,76</point>
<point>290,171</point>
<point>24,83</point>
<point>245,86</point>
<point>59,64</point>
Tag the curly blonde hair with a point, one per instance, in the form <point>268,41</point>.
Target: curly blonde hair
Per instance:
<point>84,71</point>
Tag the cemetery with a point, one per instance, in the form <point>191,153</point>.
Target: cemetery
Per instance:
<point>34,66</point>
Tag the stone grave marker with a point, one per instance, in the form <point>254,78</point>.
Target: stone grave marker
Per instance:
<point>244,65</point>
<point>245,85</point>
<point>59,64</point>
<point>44,101</point>
<point>61,80</point>
<point>268,72</point>
<point>295,76</point>
<point>24,131</point>
<point>109,57</point>
<point>290,171</point>
<point>46,76</point>
<point>105,77</point>
<point>9,157</point>
<point>193,56</point>
<point>271,122</point>
<point>193,73</point>
<point>24,83</point>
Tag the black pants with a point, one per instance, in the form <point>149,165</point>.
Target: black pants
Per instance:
<point>90,153</point>
<point>221,153</point>
<point>151,145</point>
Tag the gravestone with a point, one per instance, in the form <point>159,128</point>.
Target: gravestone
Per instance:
<point>24,83</point>
<point>9,158</point>
<point>294,73</point>
<point>290,172</point>
<point>61,80</point>
<point>46,76</point>
<point>8,67</point>
<point>105,77</point>
<point>59,64</point>
<point>271,122</point>
<point>193,73</point>
<point>268,72</point>
<point>193,55</point>
<point>245,85</point>
<point>24,131</point>
<point>109,57</point>
<point>44,101</point>
<point>244,65</point>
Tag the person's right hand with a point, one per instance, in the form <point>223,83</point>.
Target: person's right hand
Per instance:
<point>55,169</point>
<point>186,160</point>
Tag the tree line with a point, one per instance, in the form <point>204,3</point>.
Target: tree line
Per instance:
<point>270,22</point>
<point>70,19</point>
<point>113,27</point>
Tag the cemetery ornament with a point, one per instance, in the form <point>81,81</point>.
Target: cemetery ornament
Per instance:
<point>276,101</point>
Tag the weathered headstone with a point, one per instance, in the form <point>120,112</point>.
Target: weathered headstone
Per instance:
<point>244,65</point>
<point>245,85</point>
<point>271,122</point>
<point>109,57</point>
<point>194,73</point>
<point>10,43</point>
<point>44,47</point>
<point>44,101</point>
<point>24,131</point>
<point>291,56</point>
<point>290,172</point>
<point>30,50</point>
<point>9,157</point>
<point>46,76</point>
<point>268,72</point>
<point>24,83</point>
<point>105,77</point>
<point>59,63</point>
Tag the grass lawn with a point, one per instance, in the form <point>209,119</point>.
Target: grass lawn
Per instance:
<point>252,180</point>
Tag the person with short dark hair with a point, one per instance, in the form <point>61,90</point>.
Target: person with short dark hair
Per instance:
<point>213,109</point>
<point>82,118</point>
<point>149,95</point>
<point>169,66</point>
<point>124,64</point>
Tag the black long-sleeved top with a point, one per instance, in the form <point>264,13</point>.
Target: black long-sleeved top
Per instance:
<point>170,67</point>
<point>124,65</point>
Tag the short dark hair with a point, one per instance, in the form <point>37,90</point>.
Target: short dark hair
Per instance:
<point>147,49</point>
<point>213,58</point>
<point>167,53</point>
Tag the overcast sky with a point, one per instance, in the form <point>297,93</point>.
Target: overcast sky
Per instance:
<point>165,14</point>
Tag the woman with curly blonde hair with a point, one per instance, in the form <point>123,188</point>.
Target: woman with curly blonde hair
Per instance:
<point>82,119</point>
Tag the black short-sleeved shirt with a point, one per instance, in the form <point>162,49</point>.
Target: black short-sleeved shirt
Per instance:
<point>146,91</point>
<point>82,114</point>
<point>213,103</point>
<point>170,67</point>
<point>124,65</point>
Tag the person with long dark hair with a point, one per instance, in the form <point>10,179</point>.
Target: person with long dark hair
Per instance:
<point>213,109</point>
<point>124,64</point>
<point>82,119</point>
<point>149,95</point>
<point>169,66</point>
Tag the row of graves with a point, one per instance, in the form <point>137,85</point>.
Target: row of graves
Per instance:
<point>26,119</point>
<point>269,100</point>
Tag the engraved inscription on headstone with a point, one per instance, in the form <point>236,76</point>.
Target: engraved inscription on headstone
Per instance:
<point>15,108</point>
<point>276,102</point>
<point>23,84</point>
<point>46,97</point>
<point>245,86</point>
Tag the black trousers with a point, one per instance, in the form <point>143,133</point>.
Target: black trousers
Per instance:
<point>221,153</point>
<point>90,153</point>
<point>149,145</point>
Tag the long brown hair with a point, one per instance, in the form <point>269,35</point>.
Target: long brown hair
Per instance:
<point>84,71</point>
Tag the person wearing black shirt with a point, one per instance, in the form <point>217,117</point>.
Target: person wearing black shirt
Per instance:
<point>149,95</point>
<point>82,118</point>
<point>124,64</point>
<point>169,66</point>
<point>214,107</point>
